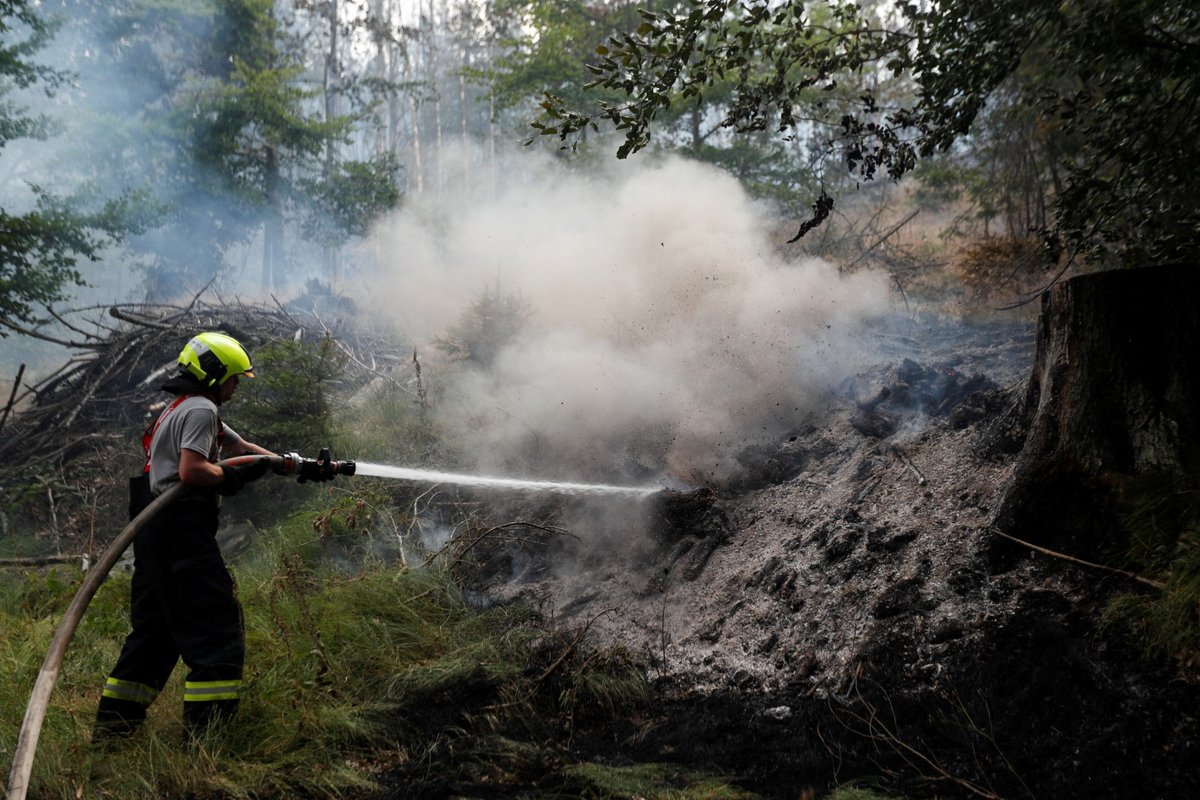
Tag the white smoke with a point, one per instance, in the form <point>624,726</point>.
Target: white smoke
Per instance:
<point>667,332</point>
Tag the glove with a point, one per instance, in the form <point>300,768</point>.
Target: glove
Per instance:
<point>236,477</point>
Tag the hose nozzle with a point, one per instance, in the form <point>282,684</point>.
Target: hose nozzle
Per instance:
<point>322,468</point>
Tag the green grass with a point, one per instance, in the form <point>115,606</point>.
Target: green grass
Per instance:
<point>857,793</point>
<point>651,781</point>
<point>342,665</point>
<point>1163,519</point>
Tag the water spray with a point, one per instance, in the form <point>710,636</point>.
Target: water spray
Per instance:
<point>490,482</point>
<point>323,468</point>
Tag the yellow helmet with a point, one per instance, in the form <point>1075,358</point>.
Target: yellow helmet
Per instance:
<point>213,358</point>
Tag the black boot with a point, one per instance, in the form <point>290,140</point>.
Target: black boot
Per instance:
<point>117,719</point>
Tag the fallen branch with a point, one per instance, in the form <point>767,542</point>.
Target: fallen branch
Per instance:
<point>878,729</point>
<point>882,239</point>
<point>196,297</point>
<point>558,662</point>
<point>41,561</point>
<point>284,311</point>
<point>900,454</point>
<point>87,437</point>
<point>67,324</point>
<point>1064,557</point>
<point>548,529</point>
<point>867,489</point>
<point>113,311</point>
<point>350,355</point>
<point>96,384</point>
<point>65,373</point>
<point>12,396</point>
<point>12,326</point>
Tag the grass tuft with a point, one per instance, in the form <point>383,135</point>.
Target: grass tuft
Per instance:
<point>1163,519</point>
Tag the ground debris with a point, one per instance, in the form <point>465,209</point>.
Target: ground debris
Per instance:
<point>855,588</point>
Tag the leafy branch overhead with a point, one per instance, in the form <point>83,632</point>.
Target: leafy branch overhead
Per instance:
<point>879,88</point>
<point>40,248</point>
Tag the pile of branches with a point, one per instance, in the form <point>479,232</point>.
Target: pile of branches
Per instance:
<point>106,390</point>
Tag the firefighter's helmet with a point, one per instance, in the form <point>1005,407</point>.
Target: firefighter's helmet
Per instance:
<point>213,358</point>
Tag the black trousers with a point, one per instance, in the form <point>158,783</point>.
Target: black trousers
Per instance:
<point>183,604</point>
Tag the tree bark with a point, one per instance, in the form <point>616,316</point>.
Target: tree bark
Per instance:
<point>1112,403</point>
<point>332,80</point>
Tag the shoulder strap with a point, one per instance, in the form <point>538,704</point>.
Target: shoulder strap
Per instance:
<point>148,434</point>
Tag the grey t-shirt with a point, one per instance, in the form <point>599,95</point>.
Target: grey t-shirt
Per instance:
<point>191,425</point>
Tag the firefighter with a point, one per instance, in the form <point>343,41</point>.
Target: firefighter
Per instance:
<point>183,601</point>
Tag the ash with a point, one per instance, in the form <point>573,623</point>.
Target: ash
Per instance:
<point>851,567</point>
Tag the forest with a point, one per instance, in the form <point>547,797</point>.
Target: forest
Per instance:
<point>756,399</point>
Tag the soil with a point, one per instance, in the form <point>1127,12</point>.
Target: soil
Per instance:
<point>846,610</point>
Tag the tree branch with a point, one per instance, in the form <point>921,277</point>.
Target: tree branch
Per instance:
<point>113,311</point>
<point>12,397</point>
<point>1064,557</point>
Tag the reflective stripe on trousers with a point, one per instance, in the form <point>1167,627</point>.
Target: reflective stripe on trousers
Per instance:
<point>132,691</point>
<point>207,691</point>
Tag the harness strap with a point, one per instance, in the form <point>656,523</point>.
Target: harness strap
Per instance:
<point>148,435</point>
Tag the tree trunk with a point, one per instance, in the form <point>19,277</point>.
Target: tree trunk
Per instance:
<point>331,86</point>
<point>1111,406</point>
<point>272,260</point>
<point>462,118</point>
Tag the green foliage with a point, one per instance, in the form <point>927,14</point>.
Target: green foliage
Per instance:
<point>40,250</point>
<point>1163,519</point>
<point>767,167</point>
<point>218,101</point>
<point>287,405</point>
<point>1112,84</point>
<point>383,423</point>
<point>554,50</point>
<point>37,595</point>
<point>492,321</point>
<point>651,781</point>
<point>24,31</point>
<point>851,792</point>
<point>550,44</point>
<point>344,663</point>
<point>347,202</point>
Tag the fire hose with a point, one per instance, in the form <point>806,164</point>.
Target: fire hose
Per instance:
<point>321,468</point>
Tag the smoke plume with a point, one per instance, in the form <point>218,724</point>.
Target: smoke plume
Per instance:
<point>666,333</point>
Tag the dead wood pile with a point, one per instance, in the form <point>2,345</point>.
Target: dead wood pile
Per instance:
<point>92,410</point>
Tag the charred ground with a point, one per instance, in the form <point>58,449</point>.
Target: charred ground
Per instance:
<point>845,609</point>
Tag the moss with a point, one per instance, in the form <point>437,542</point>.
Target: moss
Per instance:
<point>854,793</point>
<point>651,781</point>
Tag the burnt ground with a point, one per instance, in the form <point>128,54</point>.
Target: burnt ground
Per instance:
<point>845,611</point>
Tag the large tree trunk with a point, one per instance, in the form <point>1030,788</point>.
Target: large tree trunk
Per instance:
<point>332,85</point>
<point>1112,404</point>
<point>272,256</point>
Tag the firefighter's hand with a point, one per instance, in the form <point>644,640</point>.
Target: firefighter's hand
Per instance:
<point>236,477</point>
